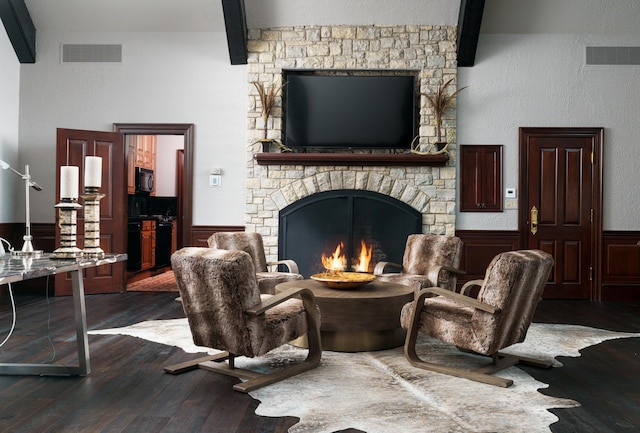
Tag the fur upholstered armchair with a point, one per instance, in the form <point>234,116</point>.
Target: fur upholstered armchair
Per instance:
<point>251,243</point>
<point>226,311</point>
<point>428,261</point>
<point>499,317</point>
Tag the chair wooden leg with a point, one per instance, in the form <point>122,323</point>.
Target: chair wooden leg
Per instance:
<point>313,355</point>
<point>483,374</point>
<point>254,380</point>
<point>193,364</point>
<point>414,359</point>
<point>533,362</point>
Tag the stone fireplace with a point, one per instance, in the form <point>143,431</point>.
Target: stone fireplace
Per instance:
<point>428,189</point>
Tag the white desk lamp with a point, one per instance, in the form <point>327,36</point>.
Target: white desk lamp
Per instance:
<point>27,247</point>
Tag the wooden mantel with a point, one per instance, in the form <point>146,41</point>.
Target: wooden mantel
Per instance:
<point>381,159</point>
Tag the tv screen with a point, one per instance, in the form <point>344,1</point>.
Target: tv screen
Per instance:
<point>340,111</point>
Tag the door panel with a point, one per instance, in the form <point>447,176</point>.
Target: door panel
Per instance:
<point>559,179</point>
<point>71,148</point>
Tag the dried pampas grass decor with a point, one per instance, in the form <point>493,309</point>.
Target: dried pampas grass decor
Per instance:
<point>439,101</point>
<point>268,98</point>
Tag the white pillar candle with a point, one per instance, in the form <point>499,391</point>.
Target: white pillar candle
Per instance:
<point>93,171</point>
<point>69,181</point>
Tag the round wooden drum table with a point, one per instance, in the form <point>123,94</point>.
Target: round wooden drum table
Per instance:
<point>358,320</point>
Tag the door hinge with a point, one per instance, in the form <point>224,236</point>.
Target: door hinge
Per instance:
<point>591,214</point>
<point>592,157</point>
<point>590,273</point>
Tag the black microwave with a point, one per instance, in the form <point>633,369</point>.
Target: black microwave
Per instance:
<point>144,180</point>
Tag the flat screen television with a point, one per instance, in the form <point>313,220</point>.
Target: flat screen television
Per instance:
<point>349,111</point>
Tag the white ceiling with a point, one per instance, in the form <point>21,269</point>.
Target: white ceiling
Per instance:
<point>500,16</point>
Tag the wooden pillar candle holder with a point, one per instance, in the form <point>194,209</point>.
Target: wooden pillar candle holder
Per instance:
<point>67,214</point>
<point>92,199</point>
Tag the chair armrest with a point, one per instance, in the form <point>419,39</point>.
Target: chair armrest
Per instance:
<point>290,264</point>
<point>379,268</point>
<point>434,273</point>
<point>454,270</point>
<point>469,284</point>
<point>307,298</point>
<point>456,297</point>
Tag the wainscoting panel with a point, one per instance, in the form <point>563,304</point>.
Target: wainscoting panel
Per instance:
<point>620,272</point>
<point>44,238</point>
<point>621,266</point>
<point>44,235</point>
<point>200,234</point>
<point>480,247</point>
<point>12,232</point>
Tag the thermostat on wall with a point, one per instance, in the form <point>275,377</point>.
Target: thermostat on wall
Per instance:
<point>214,180</point>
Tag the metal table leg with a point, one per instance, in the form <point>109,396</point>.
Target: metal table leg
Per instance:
<point>83,367</point>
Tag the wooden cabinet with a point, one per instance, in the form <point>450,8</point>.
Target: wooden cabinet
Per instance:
<point>481,178</point>
<point>145,151</point>
<point>131,167</point>
<point>174,236</point>
<point>148,236</point>
<point>141,152</point>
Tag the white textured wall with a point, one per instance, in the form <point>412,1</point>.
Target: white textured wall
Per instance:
<point>9,101</point>
<point>518,80</point>
<point>166,159</point>
<point>164,78</point>
<point>542,81</point>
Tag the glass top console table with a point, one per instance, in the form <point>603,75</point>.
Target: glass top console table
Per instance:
<point>14,269</point>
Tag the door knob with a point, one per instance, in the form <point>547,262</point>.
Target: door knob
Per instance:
<point>534,220</point>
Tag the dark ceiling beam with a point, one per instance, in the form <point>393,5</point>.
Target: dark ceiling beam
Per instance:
<point>236,24</point>
<point>20,29</point>
<point>469,22</point>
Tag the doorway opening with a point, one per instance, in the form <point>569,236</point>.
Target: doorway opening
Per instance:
<point>184,177</point>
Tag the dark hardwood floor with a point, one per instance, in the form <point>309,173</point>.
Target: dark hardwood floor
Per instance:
<point>127,390</point>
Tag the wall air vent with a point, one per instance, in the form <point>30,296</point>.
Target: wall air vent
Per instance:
<point>91,53</point>
<point>613,55</point>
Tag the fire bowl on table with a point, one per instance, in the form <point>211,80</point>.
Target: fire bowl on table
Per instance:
<point>344,280</point>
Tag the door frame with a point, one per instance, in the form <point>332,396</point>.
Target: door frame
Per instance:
<point>597,136</point>
<point>187,131</point>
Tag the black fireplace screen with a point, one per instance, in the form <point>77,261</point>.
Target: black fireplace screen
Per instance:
<point>317,224</point>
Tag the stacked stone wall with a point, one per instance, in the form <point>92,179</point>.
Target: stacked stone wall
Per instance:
<point>427,51</point>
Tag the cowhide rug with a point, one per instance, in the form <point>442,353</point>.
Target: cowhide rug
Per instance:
<point>380,392</point>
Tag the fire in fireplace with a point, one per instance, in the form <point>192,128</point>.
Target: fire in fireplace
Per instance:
<point>352,220</point>
<point>338,262</point>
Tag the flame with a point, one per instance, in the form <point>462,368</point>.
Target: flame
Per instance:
<point>336,262</point>
<point>365,257</point>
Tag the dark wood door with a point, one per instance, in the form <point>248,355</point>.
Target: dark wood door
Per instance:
<point>560,205</point>
<point>71,148</point>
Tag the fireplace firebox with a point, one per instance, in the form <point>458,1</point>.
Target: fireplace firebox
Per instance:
<point>316,225</point>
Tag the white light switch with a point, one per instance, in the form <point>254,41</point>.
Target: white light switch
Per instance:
<point>511,204</point>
